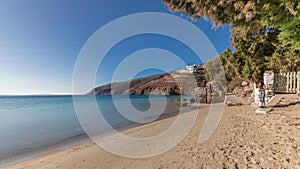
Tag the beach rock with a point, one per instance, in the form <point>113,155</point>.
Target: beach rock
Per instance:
<point>239,104</point>
<point>215,92</point>
<point>247,92</point>
<point>261,112</point>
<point>200,95</point>
<point>244,83</point>
<point>230,104</point>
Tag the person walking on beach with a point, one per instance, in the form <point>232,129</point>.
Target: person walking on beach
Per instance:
<point>262,94</point>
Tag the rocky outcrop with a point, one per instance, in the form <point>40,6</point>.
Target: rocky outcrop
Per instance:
<point>241,88</point>
<point>215,92</point>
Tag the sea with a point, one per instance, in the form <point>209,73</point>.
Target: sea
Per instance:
<point>34,125</point>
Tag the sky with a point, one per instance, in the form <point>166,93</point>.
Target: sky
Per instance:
<point>40,41</point>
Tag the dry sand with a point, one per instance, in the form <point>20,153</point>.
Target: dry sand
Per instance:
<point>242,140</point>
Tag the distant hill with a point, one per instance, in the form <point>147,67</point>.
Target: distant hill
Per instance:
<point>162,84</point>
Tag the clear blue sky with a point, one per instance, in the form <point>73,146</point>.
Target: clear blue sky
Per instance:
<point>40,41</point>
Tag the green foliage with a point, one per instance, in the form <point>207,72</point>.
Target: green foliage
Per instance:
<point>265,34</point>
<point>284,14</point>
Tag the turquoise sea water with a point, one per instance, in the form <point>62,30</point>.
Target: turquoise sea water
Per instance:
<point>30,125</point>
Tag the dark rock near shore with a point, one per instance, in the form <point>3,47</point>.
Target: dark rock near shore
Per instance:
<point>215,92</point>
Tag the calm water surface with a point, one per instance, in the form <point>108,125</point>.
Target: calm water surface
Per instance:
<point>31,123</point>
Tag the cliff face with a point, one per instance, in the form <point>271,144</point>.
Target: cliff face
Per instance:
<point>173,83</point>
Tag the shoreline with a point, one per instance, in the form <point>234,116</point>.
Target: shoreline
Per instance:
<point>243,139</point>
<point>16,157</point>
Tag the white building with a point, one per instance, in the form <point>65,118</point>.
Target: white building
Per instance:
<point>187,69</point>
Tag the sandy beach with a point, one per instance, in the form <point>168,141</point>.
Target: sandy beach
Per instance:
<point>243,139</point>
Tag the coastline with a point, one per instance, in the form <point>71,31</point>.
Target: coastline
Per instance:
<point>29,153</point>
<point>21,156</point>
<point>81,145</point>
<point>243,139</point>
